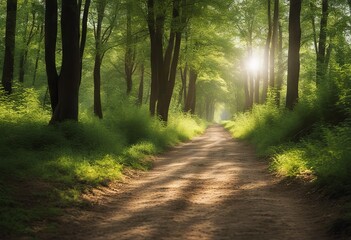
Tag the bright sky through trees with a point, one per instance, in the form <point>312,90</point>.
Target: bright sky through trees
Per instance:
<point>253,63</point>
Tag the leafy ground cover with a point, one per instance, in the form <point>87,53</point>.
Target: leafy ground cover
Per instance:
<point>44,168</point>
<point>302,144</point>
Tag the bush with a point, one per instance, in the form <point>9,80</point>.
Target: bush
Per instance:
<point>299,143</point>
<point>71,157</point>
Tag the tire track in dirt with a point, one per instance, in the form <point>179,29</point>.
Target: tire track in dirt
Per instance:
<point>213,187</point>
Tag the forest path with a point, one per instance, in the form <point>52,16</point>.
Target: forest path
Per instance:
<point>213,187</point>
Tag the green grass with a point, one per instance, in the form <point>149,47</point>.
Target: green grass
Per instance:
<point>44,168</point>
<point>301,143</point>
<point>298,142</point>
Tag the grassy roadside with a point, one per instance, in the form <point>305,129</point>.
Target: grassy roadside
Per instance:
<point>45,168</point>
<point>300,144</point>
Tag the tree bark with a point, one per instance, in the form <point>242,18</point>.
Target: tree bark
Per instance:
<point>251,81</point>
<point>265,70</point>
<point>172,74</point>
<point>274,44</point>
<point>190,102</point>
<point>63,88</point>
<point>154,55</point>
<point>163,68</point>
<point>8,67</point>
<point>50,50</point>
<point>321,64</point>
<point>41,35</point>
<point>24,39</point>
<point>280,73</point>
<point>27,39</point>
<point>257,88</point>
<point>292,94</point>
<point>141,85</point>
<point>98,59</point>
<point>184,76</point>
<point>129,56</point>
<point>313,9</point>
<point>246,78</point>
<point>97,87</point>
<point>68,83</point>
<point>83,37</point>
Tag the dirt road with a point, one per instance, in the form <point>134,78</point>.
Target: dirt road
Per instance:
<point>211,188</point>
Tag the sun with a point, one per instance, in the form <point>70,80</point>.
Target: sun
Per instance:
<point>253,63</point>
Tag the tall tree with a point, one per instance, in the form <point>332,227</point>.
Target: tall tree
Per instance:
<point>256,76</point>
<point>101,38</point>
<point>280,73</point>
<point>183,90</point>
<point>164,63</point>
<point>321,53</point>
<point>246,24</point>
<point>265,70</point>
<point>24,51</point>
<point>8,67</point>
<point>51,19</point>
<point>83,36</point>
<point>141,85</point>
<point>63,87</point>
<point>190,101</point>
<point>155,20</point>
<point>40,40</point>
<point>274,44</point>
<point>292,93</point>
<point>129,56</point>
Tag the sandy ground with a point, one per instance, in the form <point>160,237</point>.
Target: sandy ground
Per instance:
<point>213,187</point>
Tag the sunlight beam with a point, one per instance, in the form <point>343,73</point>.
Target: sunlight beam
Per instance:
<point>253,64</point>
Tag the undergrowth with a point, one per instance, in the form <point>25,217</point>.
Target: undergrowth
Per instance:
<point>46,167</point>
<point>301,143</point>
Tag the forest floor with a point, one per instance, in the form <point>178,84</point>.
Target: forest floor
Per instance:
<point>213,187</point>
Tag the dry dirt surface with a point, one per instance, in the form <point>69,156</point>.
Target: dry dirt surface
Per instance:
<point>213,187</point>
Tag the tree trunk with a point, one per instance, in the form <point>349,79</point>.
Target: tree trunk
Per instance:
<point>8,67</point>
<point>23,50</point>
<point>98,59</point>
<point>313,10</point>
<point>129,54</point>
<point>184,82</point>
<point>154,27</point>
<point>321,66</point>
<point>251,81</point>
<point>265,70</point>
<point>83,38</point>
<point>161,76</point>
<point>68,83</point>
<point>50,50</point>
<point>163,68</point>
<point>24,53</point>
<point>274,44</point>
<point>97,86</point>
<point>257,88</point>
<point>246,90</point>
<point>172,73</point>
<point>63,88</point>
<point>191,96</point>
<point>280,74</point>
<point>141,85</point>
<point>41,35</point>
<point>292,94</point>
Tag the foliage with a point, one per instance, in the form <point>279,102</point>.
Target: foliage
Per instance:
<point>58,162</point>
<point>299,143</point>
<point>302,143</point>
<point>267,126</point>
